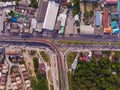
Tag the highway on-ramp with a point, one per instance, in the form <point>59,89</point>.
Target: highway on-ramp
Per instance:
<point>35,40</point>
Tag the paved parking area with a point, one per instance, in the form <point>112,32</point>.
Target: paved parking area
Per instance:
<point>69,27</point>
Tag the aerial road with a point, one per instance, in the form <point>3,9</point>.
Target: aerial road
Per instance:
<point>33,41</point>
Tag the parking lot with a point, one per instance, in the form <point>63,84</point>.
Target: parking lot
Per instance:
<point>69,26</point>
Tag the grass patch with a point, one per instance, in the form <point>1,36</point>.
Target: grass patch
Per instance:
<point>70,80</point>
<point>46,57</point>
<point>32,52</point>
<point>86,42</point>
<point>30,71</point>
<point>70,58</point>
<point>79,42</point>
<point>51,87</point>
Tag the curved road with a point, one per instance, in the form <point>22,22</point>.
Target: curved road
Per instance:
<point>32,40</point>
<point>62,75</point>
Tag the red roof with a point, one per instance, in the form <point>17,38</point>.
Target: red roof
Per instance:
<point>105,19</point>
<point>26,77</point>
<point>42,68</point>
<point>111,1</point>
<point>12,53</point>
<point>97,55</point>
<point>83,58</point>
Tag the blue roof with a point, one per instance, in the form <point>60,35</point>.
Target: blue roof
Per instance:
<point>97,18</point>
<point>14,19</point>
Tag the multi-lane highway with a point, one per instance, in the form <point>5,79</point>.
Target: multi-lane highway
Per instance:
<point>38,41</point>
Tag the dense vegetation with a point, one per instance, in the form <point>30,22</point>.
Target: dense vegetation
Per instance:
<point>32,52</point>
<point>45,56</point>
<point>76,7</point>
<point>96,75</point>
<point>40,82</point>
<point>34,4</point>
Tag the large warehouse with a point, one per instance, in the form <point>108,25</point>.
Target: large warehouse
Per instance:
<point>51,15</point>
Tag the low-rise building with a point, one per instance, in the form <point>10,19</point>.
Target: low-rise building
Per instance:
<point>51,15</point>
<point>86,30</point>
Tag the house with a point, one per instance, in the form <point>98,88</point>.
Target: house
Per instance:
<point>33,23</point>
<point>42,68</point>
<point>91,0</point>
<point>84,58</point>
<point>26,77</point>
<point>97,54</point>
<point>111,1</point>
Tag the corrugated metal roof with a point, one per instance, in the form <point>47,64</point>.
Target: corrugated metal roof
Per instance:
<point>42,10</point>
<point>105,19</point>
<point>97,18</point>
<point>86,30</point>
<point>51,15</point>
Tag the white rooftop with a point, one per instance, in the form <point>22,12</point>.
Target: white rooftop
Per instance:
<point>5,4</point>
<point>86,30</point>
<point>33,23</point>
<point>62,17</point>
<point>51,15</point>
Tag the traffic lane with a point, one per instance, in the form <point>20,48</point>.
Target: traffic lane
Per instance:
<point>65,38</point>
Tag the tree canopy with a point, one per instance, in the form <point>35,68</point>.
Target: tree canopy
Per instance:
<point>96,75</point>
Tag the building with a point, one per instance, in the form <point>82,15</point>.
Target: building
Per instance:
<point>62,17</point>
<point>111,1</point>
<point>119,11</point>
<point>42,10</point>
<point>42,68</point>
<point>108,30</point>
<point>33,23</point>
<point>7,4</point>
<point>105,19</point>
<point>86,30</point>
<point>90,0</point>
<point>97,54</point>
<point>51,15</point>
<point>98,21</point>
